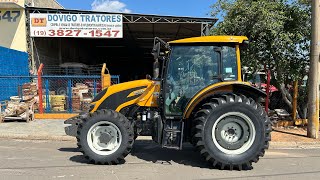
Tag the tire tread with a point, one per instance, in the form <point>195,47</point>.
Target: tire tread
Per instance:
<point>123,121</point>
<point>199,121</point>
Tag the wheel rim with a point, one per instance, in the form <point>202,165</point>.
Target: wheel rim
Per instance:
<point>104,138</point>
<point>233,133</point>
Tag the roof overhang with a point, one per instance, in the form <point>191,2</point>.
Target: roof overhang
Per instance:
<point>15,4</point>
<point>139,31</point>
<point>211,39</point>
<point>143,26</point>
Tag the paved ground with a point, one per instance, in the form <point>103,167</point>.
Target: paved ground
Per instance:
<point>54,130</point>
<point>21,159</point>
<point>43,127</point>
<point>39,129</point>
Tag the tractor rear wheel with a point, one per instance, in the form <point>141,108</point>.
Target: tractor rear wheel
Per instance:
<point>105,137</point>
<point>231,132</point>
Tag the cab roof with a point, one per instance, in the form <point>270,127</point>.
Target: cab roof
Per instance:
<point>211,39</point>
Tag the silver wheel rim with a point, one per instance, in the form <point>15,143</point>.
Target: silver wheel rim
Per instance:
<point>236,129</point>
<point>104,138</point>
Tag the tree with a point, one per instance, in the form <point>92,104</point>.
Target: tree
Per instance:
<point>278,32</point>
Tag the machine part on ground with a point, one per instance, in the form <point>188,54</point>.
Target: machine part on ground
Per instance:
<point>231,131</point>
<point>16,110</point>
<point>105,137</point>
<point>196,95</point>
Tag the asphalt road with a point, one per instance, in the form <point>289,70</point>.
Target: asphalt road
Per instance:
<point>21,159</point>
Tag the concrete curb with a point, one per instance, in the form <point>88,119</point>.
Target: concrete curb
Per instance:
<point>37,137</point>
<point>294,145</point>
<point>273,145</point>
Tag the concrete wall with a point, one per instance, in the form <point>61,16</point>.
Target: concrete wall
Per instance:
<point>44,4</point>
<point>13,30</point>
<point>11,3</point>
<point>13,47</point>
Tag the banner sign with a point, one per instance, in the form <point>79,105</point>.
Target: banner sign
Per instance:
<point>76,25</point>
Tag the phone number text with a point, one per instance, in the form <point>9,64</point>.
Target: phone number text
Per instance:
<point>77,33</point>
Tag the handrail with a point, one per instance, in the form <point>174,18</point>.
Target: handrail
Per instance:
<point>40,88</point>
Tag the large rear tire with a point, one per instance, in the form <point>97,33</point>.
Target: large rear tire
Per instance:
<point>231,132</point>
<point>105,137</point>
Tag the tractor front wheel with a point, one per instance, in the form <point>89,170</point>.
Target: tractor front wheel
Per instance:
<point>105,137</point>
<point>231,131</point>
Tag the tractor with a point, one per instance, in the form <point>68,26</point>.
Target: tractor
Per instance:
<point>196,95</point>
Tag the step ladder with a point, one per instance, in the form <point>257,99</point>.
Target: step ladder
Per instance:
<point>172,137</point>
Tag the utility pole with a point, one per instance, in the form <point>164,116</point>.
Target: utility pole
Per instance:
<point>313,92</point>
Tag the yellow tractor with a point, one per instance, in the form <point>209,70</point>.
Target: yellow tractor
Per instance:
<point>196,95</point>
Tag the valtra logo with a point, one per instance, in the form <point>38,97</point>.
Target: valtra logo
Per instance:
<point>39,22</point>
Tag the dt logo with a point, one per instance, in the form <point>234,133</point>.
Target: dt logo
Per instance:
<point>39,22</point>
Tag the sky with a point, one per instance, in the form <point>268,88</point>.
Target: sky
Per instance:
<point>194,8</point>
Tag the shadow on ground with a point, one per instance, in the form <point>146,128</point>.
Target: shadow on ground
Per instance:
<point>15,121</point>
<point>149,151</point>
<point>290,133</point>
<point>69,149</point>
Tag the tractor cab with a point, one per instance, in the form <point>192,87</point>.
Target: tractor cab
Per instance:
<point>192,64</point>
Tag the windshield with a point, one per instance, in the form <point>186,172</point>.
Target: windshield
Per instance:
<point>192,68</point>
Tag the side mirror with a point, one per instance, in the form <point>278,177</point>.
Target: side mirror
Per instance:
<point>148,77</point>
<point>156,50</point>
<point>245,45</point>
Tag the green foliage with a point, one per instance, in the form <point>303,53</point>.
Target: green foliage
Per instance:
<point>279,33</point>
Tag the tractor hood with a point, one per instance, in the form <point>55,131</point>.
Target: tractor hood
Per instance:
<point>116,97</point>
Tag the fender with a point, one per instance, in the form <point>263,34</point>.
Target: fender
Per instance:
<point>223,88</point>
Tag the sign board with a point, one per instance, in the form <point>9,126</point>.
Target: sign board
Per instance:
<point>76,25</point>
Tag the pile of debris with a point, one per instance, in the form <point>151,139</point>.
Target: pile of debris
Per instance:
<point>17,110</point>
<point>278,115</point>
<point>20,108</point>
<point>281,118</point>
<point>81,98</point>
<point>29,91</point>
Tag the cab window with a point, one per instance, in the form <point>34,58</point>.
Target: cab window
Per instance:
<point>192,68</point>
<point>229,67</point>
